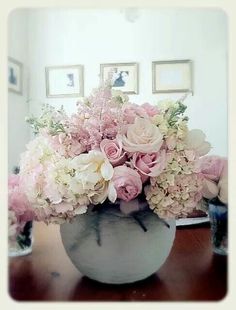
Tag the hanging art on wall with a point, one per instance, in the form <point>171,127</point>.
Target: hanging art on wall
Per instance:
<point>64,81</point>
<point>15,76</point>
<point>124,76</point>
<point>173,76</point>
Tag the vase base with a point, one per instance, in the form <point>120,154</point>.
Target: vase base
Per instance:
<point>19,252</point>
<point>220,251</point>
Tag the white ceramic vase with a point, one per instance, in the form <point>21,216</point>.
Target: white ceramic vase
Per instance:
<point>111,247</point>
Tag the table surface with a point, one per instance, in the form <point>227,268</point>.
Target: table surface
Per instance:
<point>191,273</point>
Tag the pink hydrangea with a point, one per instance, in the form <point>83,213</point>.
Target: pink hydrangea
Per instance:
<point>174,197</point>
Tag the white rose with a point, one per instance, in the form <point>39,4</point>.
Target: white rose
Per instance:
<point>142,136</point>
<point>195,140</point>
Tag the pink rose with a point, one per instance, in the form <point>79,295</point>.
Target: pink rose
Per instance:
<point>113,151</point>
<point>149,165</point>
<point>150,109</point>
<point>127,183</point>
<point>212,167</point>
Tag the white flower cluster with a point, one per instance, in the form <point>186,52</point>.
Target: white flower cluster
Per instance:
<point>62,187</point>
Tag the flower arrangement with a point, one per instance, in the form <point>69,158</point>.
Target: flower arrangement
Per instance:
<point>215,183</point>
<point>215,193</point>
<point>117,151</point>
<point>20,214</point>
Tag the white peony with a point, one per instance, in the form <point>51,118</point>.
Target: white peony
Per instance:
<point>195,140</point>
<point>93,173</point>
<point>142,136</point>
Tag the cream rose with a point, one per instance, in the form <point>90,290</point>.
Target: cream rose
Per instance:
<point>142,136</point>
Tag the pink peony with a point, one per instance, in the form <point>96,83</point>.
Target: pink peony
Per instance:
<point>212,167</point>
<point>13,181</point>
<point>127,183</point>
<point>113,151</point>
<point>150,109</point>
<point>149,165</point>
<point>19,210</point>
<point>18,202</point>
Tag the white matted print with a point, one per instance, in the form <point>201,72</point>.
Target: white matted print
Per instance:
<point>124,76</point>
<point>172,76</point>
<point>15,76</point>
<point>64,81</point>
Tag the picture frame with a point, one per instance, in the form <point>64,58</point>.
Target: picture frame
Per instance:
<point>172,76</point>
<point>64,81</point>
<point>125,76</point>
<point>15,76</point>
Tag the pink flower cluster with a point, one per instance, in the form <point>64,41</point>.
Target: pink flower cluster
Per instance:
<point>19,207</point>
<point>215,172</point>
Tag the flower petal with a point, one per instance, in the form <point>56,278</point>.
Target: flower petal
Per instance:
<point>107,171</point>
<point>204,148</point>
<point>112,194</point>
<point>195,138</point>
<point>210,189</point>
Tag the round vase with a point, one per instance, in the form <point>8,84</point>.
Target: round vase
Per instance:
<point>115,248</point>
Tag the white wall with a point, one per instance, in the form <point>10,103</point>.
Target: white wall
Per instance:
<point>18,130</point>
<point>92,37</point>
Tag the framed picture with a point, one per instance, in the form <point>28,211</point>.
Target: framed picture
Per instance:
<point>124,76</point>
<point>15,76</point>
<point>172,76</point>
<point>64,81</point>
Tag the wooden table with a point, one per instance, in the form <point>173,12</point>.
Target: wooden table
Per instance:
<point>192,272</point>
